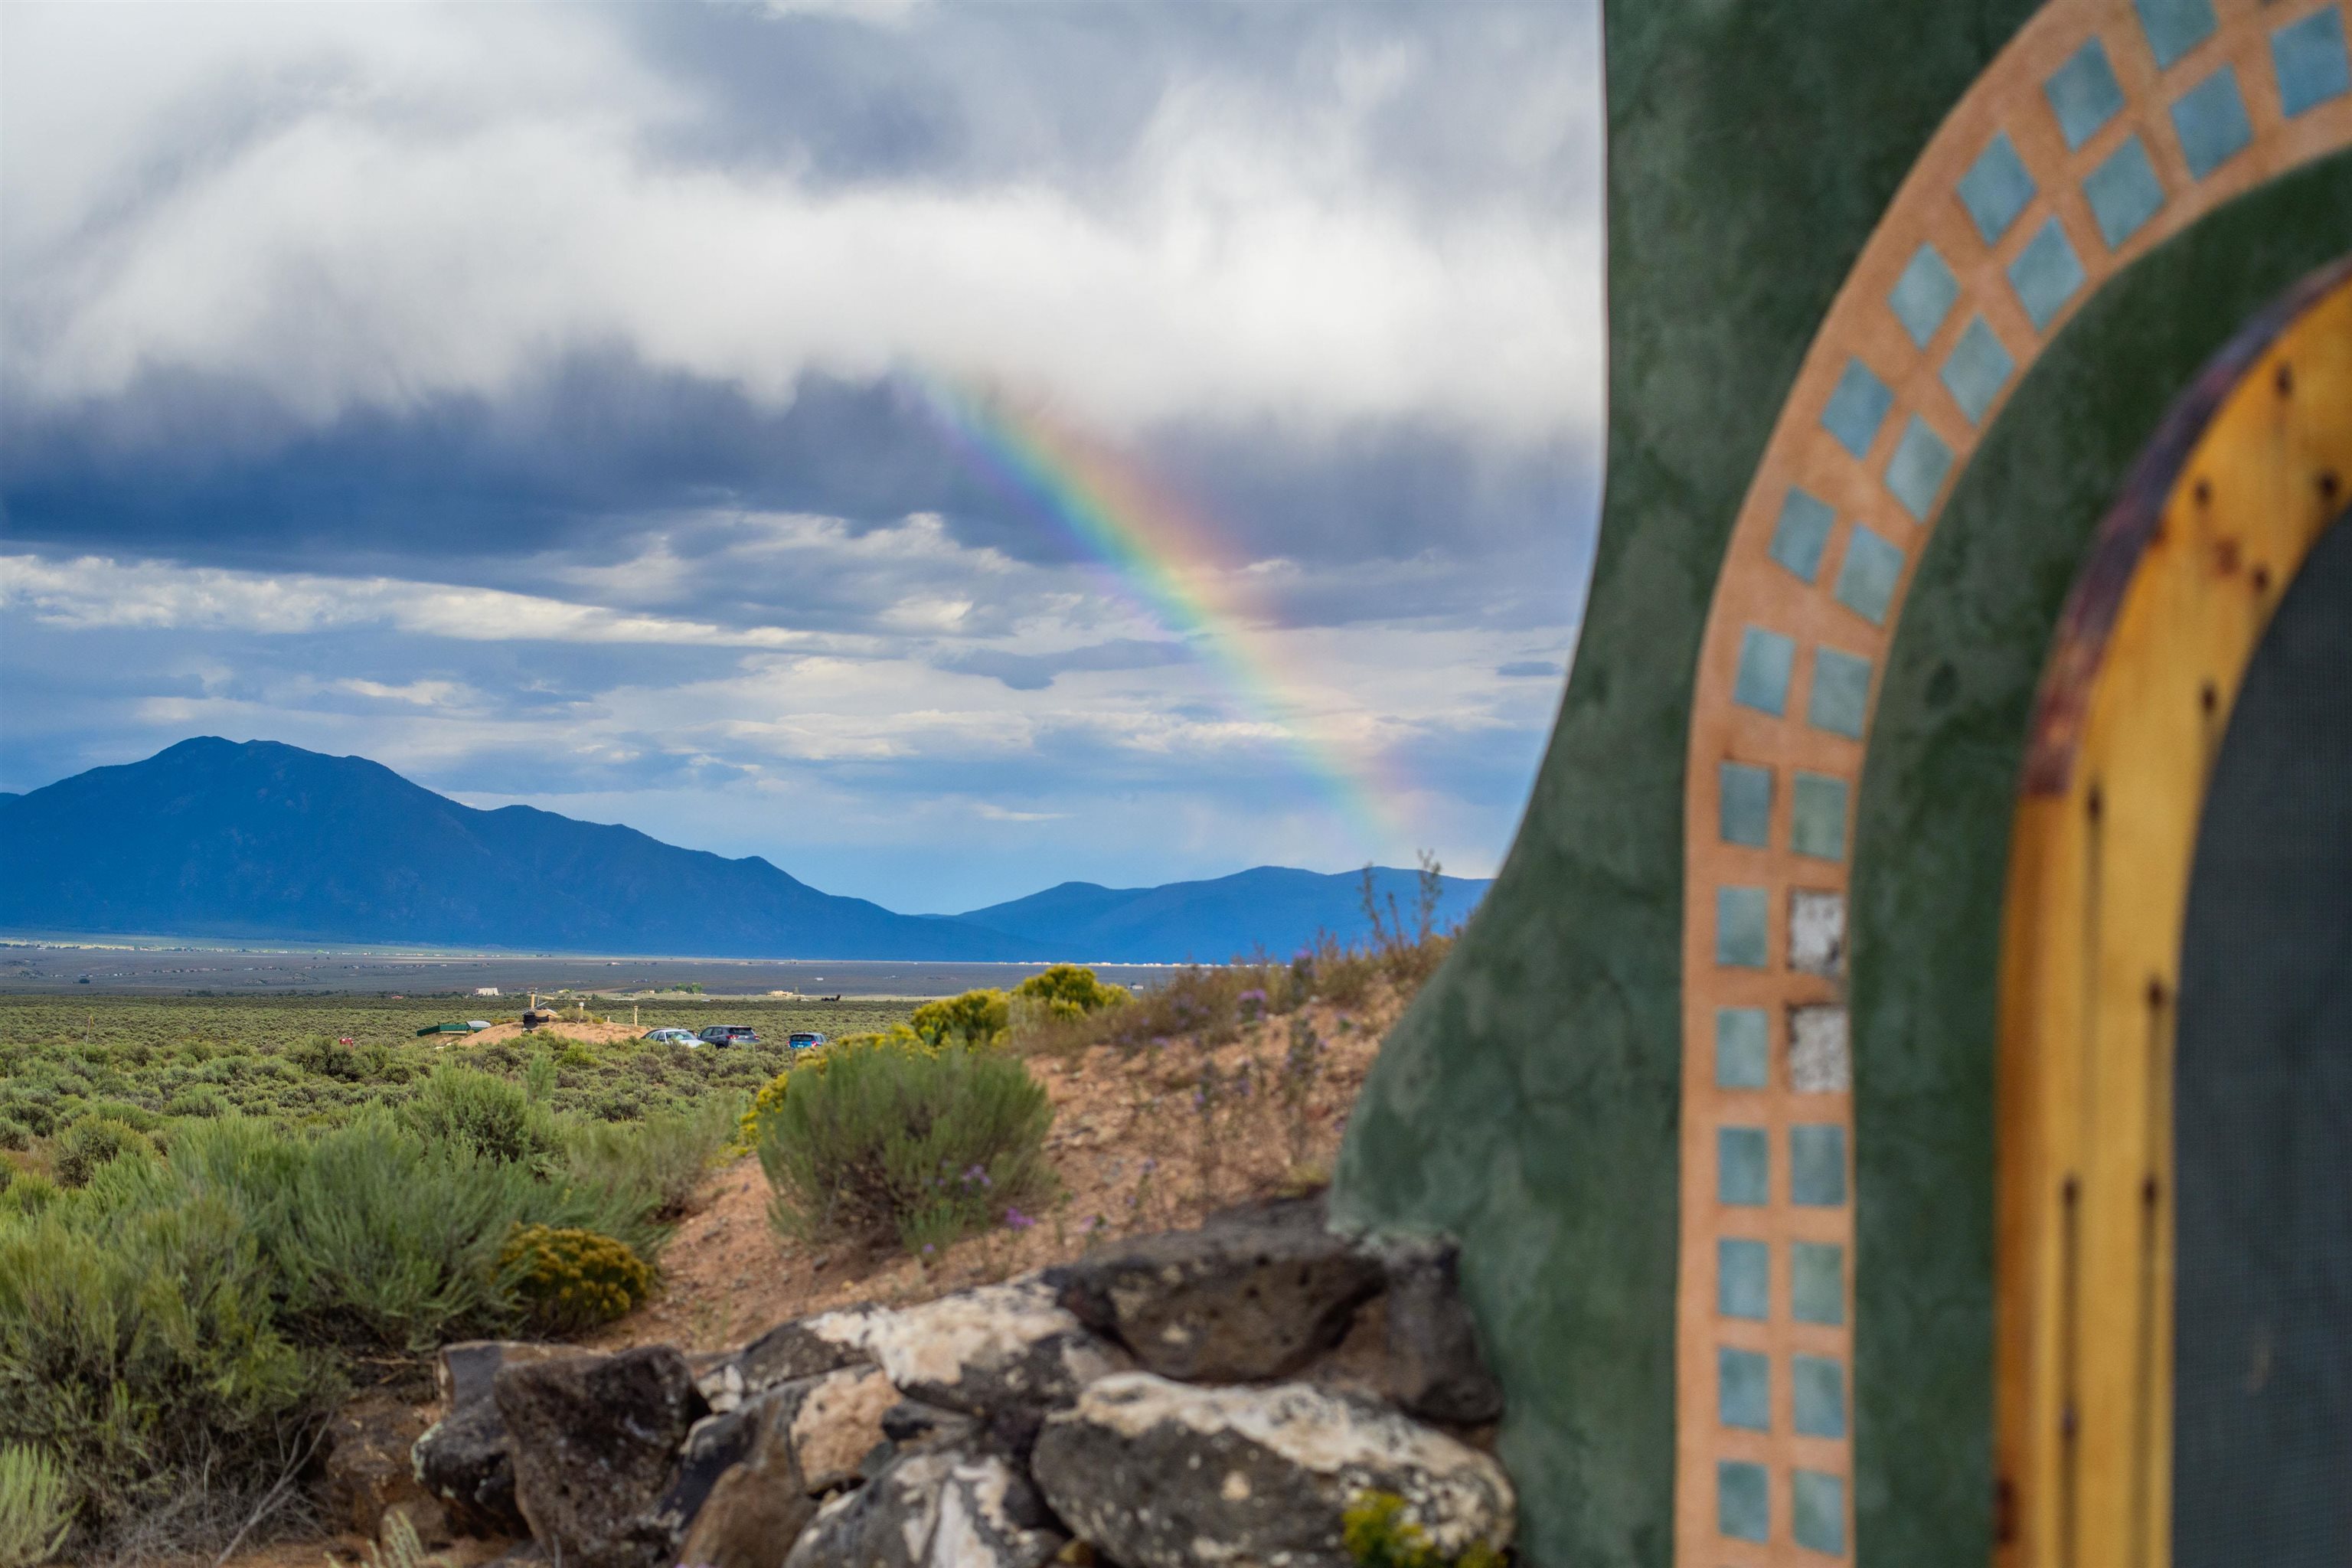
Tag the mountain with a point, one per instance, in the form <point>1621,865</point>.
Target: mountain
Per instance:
<point>213,838</point>
<point>1271,907</point>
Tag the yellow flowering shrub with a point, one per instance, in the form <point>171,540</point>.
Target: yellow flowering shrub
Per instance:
<point>574,1279</point>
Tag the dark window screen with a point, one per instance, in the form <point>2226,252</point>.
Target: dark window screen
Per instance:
<point>2263,1110</point>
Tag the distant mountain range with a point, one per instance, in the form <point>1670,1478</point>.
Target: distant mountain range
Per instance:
<point>211,837</point>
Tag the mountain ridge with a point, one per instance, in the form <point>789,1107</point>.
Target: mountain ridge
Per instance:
<point>261,839</point>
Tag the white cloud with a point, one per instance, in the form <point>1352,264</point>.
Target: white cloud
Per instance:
<point>95,593</point>
<point>395,220</point>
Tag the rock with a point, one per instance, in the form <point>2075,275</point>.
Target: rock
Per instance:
<point>1433,1367</point>
<point>462,1371</point>
<point>595,1440</point>
<point>1254,1293</point>
<point>785,1354</point>
<point>370,1469</point>
<point>748,1479</point>
<point>939,1508</point>
<point>836,1423</point>
<point>462,1462</point>
<point>995,1350</point>
<point>1157,1474</point>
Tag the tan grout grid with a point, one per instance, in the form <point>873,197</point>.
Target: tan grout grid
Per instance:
<point>2075,137</point>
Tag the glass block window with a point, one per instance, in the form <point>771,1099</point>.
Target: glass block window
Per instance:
<point>1802,532</point>
<point>1857,407</point>
<point>1739,927</point>
<point>1742,1054</point>
<point>2210,119</point>
<point>1762,680</point>
<point>1744,804</point>
<point>1865,584</point>
<point>1996,188</point>
<point>1817,1283</point>
<point>1840,697</point>
<point>1743,1162</point>
<point>2045,275</point>
<point>2311,62</point>
<point>2084,94</point>
<point>1819,1384</point>
<point>1743,1389</point>
<point>1817,815</point>
<point>1979,368</point>
<point>2175,26</point>
<point>1924,295</point>
<point>1818,1508</point>
<point>1743,1501</point>
<point>1743,1276</point>
<point>1817,1165</point>
<point>1916,473</point>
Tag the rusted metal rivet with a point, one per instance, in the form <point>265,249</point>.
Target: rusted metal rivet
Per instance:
<point>2071,1191</point>
<point>2147,1192</point>
<point>2155,992</point>
<point>2262,579</point>
<point>2329,484</point>
<point>2208,698</point>
<point>2285,378</point>
<point>2203,491</point>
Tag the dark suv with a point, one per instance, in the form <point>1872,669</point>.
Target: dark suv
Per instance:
<point>730,1034</point>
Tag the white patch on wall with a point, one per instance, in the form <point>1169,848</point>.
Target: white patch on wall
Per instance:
<point>1817,932</point>
<point>1819,1061</point>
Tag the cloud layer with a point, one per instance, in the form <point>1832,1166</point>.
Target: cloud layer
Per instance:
<point>515,393</point>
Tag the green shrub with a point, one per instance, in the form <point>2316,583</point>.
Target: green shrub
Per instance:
<point>477,1110</point>
<point>137,1345</point>
<point>201,1099</point>
<point>974,1019</point>
<point>1069,991</point>
<point>91,1142</point>
<point>660,1160</point>
<point>27,1194</point>
<point>36,1509</point>
<point>569,1279</point>
<point>15,1135</point>
<point>884,1139</point>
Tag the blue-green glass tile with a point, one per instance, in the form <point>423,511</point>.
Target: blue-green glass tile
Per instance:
<point>1916,473</point>
<point>1817,1165</point>
<point>1865,584</point>
<point>2311,61</point>
<point>1996,188</point>
<point>1817,817</point>
<point>1803,530</point>
<point>1980,367</point>
<point>1744,804</point>
<point>1820,1385</point>
<point>1816,1282</point>
<point>2210,121</point>
<point>2045,274</point>
<point>1765,660</point>
<point>2084,94</point>
<point>1923,296</point>
<point>1739,927</point>
<point>1857,407</point>
<point>2175,26</point>
<point>1743,1389</point>
<point>2124,191</point>
<point>1742,1056</point>
<point>1841,698</point>
<point>1818,1505</point>
<point>1743,1157</point>
<point>1743,1276</point>
<point>1743,1500</point>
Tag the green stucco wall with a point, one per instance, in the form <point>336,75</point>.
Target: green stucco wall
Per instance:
<point>1931,842</point>
<point>1527,1102</point>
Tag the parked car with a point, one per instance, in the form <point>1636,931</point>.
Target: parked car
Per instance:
<point>804,1040</point>
<point>730,1034</point>
<point>672,1038</point>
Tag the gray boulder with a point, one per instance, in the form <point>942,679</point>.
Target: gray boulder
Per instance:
<point>594,1442</point>
<point>993,1351</point>
<point>1157,1474</point>
<point>785,1354</point>
<point>1433,1368</point>
<point>934,1508</point>
<point>1254,1293</point>
<point>748,1479</point>
<point>462,1462</point>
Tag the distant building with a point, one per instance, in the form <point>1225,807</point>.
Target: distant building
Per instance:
<point>486,990</point>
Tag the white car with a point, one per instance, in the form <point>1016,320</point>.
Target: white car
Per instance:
<point>671,1037</point>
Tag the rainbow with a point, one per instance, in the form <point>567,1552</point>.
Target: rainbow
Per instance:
<point>1161,558</point>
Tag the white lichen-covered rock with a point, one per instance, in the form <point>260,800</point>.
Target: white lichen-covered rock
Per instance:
<point>933,1509</point>
<point>983,1352</point>
<point>1161,1475</point>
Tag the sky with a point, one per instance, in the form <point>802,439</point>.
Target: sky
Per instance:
<point>612,409</point>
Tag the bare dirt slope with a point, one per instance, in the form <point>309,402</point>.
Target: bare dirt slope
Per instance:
<point>1146,1142</point>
